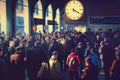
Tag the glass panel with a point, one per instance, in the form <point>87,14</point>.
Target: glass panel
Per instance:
<point>20,25</point>
<point>36,9</point>
<point>19,6</point>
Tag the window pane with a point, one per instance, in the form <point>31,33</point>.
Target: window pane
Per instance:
<point>36,9</point>
<point>19,6</point>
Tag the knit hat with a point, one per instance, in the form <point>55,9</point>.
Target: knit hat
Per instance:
<point>55,52</point>
<point>80,44</point>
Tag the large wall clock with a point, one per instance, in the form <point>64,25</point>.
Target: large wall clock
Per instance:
<point>74,10</point>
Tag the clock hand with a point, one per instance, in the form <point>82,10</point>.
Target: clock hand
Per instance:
<point>75,11</point>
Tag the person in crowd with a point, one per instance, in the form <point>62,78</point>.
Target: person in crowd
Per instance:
<point>80,50</point>
<point>73,62</point>
<point>31,40</point>
<point>44,46</point>
<point>35,58</point>
<point>3,67</point>
<point>27,47</point>
<point>97,43</point>
<point>67,47</point>
<point>87,50</point>
<point>16,40</point>
<point>100,52</point>
<point>11,49</point>
<point>90,72</point>
<point>55,70</point>
<point>17,64</point>
<point>5,45</point>
<point>94,57</point>
<point>108,57</point>
<point>56,46</point>
<point>115,68</point>
<point>116,39</point>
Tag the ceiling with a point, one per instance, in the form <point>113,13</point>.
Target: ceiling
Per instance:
<point>61,3</point>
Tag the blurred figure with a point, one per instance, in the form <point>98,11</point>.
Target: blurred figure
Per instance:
<point>100,52</point>
<point>17,64</point>
<point>3,67</point>
<point>108,57</point>
<point>56,46</point>
<point>80,50</point>
<point>115,68</point>
<point>90,72</point>
<point>94,57</point>
<point>35,58</point>
<point>87,50</point>
<point>55,70</point>
<point>73,58</point>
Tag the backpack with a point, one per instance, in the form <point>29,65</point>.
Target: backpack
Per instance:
<point>43,71</point>
<point>73,62</point>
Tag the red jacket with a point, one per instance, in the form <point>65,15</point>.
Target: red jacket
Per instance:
<point>68,59</point>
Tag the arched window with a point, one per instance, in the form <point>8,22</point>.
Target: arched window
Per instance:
<point>3,16</point>
<point>22,19</point>
<point>57,19</point>
<point>49,17</point>
<point>38,17</point>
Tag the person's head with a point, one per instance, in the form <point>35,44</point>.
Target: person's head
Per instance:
<point>24,42</point>
<point>55,53</point>
<point>80,44</point>
<point>92,51</point>
<point>53,40</point>
<point>43,38</point>
<point>37,44</point>
<point>88,61</point>
<point>97,37</point>
<point>18,49</point>
<point>106,42</point>
<point>12,44</point>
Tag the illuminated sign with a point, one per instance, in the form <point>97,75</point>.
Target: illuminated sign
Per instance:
<point>104,20</point>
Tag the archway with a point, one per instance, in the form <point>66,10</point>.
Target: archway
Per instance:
<point>49,18</point>
<point>57,19</point>
<point>22,19</point>
<point>38,16</point>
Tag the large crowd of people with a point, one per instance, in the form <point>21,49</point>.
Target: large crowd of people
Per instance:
<point>46,56</point>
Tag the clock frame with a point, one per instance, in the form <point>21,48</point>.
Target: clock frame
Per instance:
<point>74,10</point>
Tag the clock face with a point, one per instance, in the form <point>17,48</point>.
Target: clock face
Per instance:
<point>74,10</point>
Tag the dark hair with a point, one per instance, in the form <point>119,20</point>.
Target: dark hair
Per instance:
<point>18,48</point>
<point>24,40</point>
<point>92,49</point>
<point>55,52</point>
<point>88,60</point>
